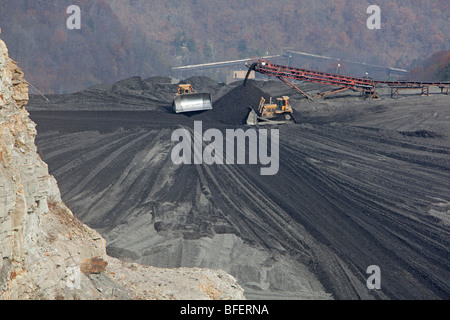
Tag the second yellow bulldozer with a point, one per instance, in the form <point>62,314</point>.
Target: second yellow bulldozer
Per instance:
<point>272,113</point>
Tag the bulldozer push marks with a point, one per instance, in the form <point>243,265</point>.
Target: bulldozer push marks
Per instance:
<point>190,148</point>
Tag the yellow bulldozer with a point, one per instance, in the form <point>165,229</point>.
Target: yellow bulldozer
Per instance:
<point>188,100</point>
<point>279,112</point>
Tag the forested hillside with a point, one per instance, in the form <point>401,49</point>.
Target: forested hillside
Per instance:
<point>122,38</point>
<point>437,67</point>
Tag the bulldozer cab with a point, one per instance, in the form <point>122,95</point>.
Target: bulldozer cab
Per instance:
<point>185,89</point>
<point>283,103</point>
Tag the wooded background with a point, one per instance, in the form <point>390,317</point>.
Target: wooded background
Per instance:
<point>124,38</point>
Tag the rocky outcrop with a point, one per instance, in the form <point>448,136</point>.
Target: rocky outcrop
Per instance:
<point>45,252</point>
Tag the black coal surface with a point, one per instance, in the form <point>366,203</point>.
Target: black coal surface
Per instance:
<point>134,83</point>
<point>360,183</point>
<point>233,107</point>
<point>421,134</point>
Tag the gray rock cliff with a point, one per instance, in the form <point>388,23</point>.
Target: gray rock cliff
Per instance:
<point>45,252</point>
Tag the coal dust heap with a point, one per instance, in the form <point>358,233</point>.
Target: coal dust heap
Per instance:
<point>361,183</point>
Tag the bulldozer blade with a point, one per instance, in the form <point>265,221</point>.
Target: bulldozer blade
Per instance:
<point>290,119</point>
<point>252,118</point>
<point>192,102</point>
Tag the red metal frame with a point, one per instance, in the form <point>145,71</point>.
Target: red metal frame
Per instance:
<point>294,87</point>
<point>362,84</point>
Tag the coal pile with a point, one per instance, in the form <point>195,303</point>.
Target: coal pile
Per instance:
<point>367,185</point>
<point>231,103</point>
<point>130,84</point>
<point>233,107</point>
<point>204,84</point>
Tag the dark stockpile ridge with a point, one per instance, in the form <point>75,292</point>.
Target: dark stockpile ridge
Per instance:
<point>203,84</point>
<point>233,107</point>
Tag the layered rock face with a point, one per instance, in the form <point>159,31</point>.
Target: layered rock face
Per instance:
<point>45,252</point>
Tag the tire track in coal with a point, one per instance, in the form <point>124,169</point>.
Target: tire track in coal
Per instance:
<point>258,211</point>
<point>262,216</point>
<point>80,151</point>
<point>135,177</point>
<point>413,228</point>
<point>318,209</point>
<point>138,164</point>
<point>318,213</point>
<point>259,217</point>
<point>106,160</point>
